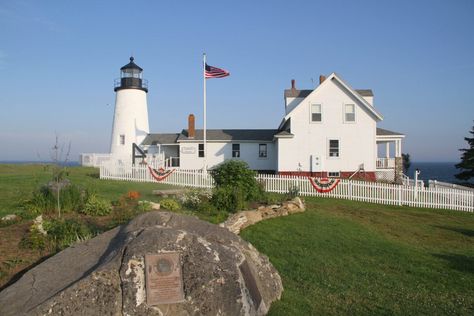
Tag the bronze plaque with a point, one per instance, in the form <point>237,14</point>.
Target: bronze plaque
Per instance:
<point>164,281</point>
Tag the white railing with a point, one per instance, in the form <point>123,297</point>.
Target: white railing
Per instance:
<point>385,163</point>
<point>440,184</point>
<point>93,160</point>
<point>381,193</point>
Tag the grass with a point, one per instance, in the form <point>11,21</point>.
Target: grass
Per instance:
<point>17,182</point>
<point>339,257</point>
<point>344,257</point>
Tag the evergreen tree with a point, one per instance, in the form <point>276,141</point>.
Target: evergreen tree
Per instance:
<point>467,160</point>
<point>406,162</point>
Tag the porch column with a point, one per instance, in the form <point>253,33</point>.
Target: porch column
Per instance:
<point>398,148</point>
<point>387,150</point>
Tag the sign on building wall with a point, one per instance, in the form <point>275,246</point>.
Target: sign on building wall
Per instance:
<point>188,150</point>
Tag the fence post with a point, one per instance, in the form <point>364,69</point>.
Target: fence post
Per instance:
<point>400,195</point>
<point>350,190</point>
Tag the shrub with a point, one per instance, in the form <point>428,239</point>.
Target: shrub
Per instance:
<point>272,198</point>
<point>44,200</point>
<point>235,186</point>
<point>64,233</point>
<point>34,239</point>
<point>293,192</point>
<point>194,197</point>
<point>96,206</point>
<point>170,204</point>
<point>144,206</point>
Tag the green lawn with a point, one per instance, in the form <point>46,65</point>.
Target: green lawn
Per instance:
<point>18,181</point>
<point>339,257</point>
<point>343,257</point>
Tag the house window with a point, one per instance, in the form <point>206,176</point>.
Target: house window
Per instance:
<point>334,174</point>
<point>201,150</point>
<point>316,114</point>
<point>235,150</point>
<point>122,139</point>
<point>333,148</point>
<point>349,113</point>
<point>262,150</point>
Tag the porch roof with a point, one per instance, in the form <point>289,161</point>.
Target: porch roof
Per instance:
<point>386,132</point>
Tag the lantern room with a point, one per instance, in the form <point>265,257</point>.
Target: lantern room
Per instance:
<point>131,77</point>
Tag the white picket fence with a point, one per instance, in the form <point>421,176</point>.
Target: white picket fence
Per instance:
<point>374,192</point>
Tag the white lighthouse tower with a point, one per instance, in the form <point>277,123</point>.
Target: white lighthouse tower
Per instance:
<point>131,111</point>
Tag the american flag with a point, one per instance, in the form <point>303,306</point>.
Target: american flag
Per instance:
<point>214,72</point>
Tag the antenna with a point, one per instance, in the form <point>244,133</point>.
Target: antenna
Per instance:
<point>312,82</point>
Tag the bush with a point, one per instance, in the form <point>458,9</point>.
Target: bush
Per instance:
<point>43,200</point>
<point>64,233</point>
<point>194,197</point>
<point>272,198</point>
<point>170,204</point>
<point>144,206</point>
<point>96,206</point>
<point>293,192</point>
<point>34,239</point>
<point>229,199</point>
<point>235,186</point>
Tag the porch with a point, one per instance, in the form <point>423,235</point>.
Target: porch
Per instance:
<point>389,156</point>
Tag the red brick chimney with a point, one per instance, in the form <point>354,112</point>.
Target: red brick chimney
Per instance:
<point>191,128</point>
<point>321,79</point>
<point>293,84</point>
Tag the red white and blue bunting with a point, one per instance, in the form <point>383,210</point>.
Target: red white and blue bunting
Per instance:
<point>324,185</point>
<point>160,174</point>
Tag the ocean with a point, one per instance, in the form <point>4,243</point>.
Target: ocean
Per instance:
<point>16,162</point>
<point>441,171</point>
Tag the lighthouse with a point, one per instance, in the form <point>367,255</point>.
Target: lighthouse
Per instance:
<point>131,111</point>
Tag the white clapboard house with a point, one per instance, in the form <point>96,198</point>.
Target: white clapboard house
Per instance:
<point>329,131</point>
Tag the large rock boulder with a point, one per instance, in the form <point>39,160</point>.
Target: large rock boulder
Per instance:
<point>221,273</point>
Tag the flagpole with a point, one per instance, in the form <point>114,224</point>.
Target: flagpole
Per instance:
<point>204,79</point>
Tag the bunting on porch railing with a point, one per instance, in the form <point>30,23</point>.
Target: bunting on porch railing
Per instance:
<point>323,185</point>
<point>160,174</point>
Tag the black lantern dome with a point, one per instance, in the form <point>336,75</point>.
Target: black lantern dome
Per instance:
<point>131,77</point>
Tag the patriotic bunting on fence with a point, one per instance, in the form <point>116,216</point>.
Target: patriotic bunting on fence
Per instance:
<point>324,185</point>
<point>160,174</point>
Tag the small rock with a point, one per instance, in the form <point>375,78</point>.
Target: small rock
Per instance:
<point>155,206</point>
<point>10,217</point>
<point>38,223</point>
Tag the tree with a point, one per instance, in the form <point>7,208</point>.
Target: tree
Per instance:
<point>466,166</point>
<point>59,170</point>
<point>406,162</point>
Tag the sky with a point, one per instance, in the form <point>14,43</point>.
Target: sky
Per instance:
<point>59,59</point>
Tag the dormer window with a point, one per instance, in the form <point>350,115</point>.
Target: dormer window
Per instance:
<point>316,113</point>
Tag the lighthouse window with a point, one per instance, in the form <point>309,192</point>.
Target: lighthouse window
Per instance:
<point>122,139</point>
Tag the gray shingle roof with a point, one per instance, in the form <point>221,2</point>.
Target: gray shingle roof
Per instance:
<point>231,135</point>
<point>293,93</point>
<point>160,138</point>
<point>365,92</point>
<point>385,132</point>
